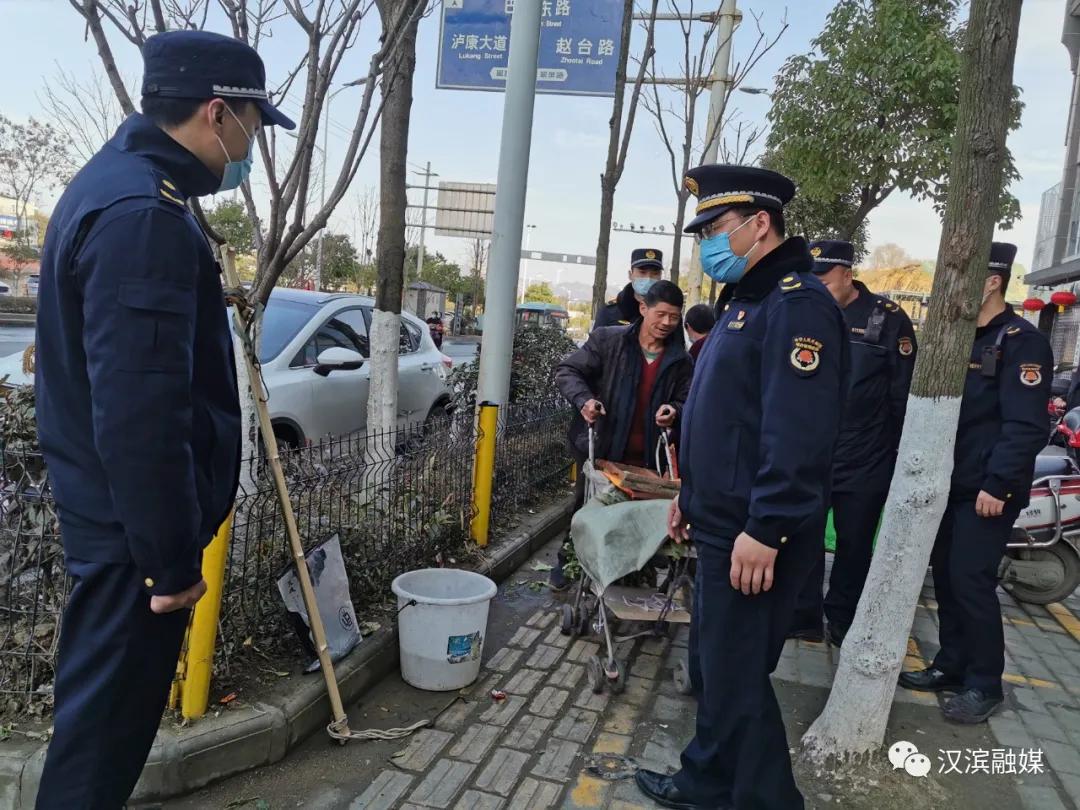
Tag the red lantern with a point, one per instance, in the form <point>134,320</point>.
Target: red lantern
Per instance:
<point>1063,299</point>
<point>1034,305</point>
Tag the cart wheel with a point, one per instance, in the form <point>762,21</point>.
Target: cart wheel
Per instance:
<point>567,620</point>
<point>618,683</point>
<point>682,678</point>
<point>596,674</point>
<point>583,627</point>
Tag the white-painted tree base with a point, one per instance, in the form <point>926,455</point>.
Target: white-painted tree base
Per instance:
<point>383,391</point>
<point>855,716</point>
<point>249,422</point>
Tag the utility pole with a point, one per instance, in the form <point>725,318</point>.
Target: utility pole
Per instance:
<point>427,174</point>
<point>719,88</point>
<point>496,349</point>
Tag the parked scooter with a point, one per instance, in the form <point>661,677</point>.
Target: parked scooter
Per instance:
<point>1042,559</point>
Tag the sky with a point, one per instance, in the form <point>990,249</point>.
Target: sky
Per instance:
<point>458,131</point>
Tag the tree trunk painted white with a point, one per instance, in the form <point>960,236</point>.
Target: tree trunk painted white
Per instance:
<point>874,647</point>
<point>854,719</point>
<point>249,424</point>
<point>383,392</point>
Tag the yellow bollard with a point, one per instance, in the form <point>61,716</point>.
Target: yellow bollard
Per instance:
<point>195,688</point>
<point>484,472</point>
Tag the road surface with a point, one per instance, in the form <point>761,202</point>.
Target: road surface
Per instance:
<point>15,339</point>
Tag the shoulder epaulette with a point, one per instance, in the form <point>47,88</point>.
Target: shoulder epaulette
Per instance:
<point>1013,330</point>
<point>612,301</point>
<point>170,193</point>
<point>890,306</point>
<point>789,283</point>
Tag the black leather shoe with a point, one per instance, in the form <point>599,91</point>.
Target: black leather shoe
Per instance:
<point>971,706</point>
<point>557,580</point>
<point>835,634</point>
<point>815,634</point>
<point>930,680</point>
<point>661,789</point>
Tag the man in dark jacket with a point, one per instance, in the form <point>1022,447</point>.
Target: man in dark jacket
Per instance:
<point>1001,429</point>
<point>757,442</point>
<point>646,267</point>
<point>700,320</point>
<point>629,382</point>
<point>883,348</point>
<point>137,404</point>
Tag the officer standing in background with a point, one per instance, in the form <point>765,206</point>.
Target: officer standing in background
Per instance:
<point>1002,427</point>
<point>882,360</point>
<point>757,441</point>
<point>137,406</point>
<point>646,267</point>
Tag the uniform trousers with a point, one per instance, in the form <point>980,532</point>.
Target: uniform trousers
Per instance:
<point>855,520</point>
<point>967,552</point>
<point>117,660</point>
<point>739,754</point>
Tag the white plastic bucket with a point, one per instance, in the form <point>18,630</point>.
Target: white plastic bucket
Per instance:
<point>442,621</point>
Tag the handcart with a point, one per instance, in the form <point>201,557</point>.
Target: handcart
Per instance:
<point>619,530</point>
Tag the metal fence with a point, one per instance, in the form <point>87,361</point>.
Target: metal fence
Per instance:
<point>396,502</point>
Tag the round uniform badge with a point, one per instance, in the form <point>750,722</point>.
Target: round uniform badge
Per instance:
<point>906,347</point>
<point>1030,374</point>
<point>805,354</point>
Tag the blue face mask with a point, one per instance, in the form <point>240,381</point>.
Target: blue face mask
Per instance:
<point>642,285</point>
<point>236,171</point>
<point>719,262</point>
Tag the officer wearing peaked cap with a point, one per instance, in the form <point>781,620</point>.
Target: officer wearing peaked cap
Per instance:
<point>1002,427</point>
<point>882,359</point>
<point>137,404</point>
<point>757,441</point>
<point>646,267</point>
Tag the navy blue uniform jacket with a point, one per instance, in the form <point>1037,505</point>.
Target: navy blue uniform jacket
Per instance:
<point>765,406</point>
<point>137,406</point>
<point>1003,423</point>
<point>882,361</point>
<point>622,310</point>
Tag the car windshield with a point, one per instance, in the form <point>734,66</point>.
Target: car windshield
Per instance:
<point>282,320</point>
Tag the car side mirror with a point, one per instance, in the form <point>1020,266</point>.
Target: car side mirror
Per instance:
<point>338,358</point>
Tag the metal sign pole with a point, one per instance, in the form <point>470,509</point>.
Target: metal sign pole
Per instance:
<point>501,286</point>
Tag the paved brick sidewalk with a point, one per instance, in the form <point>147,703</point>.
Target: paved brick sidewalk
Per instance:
<point>530,751</point>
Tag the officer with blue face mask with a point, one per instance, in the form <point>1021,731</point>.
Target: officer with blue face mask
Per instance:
<point>137,405</point>
<point>756,451</point>
<point>646,267</point>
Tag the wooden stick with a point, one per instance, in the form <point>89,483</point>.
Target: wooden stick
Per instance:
<point>339,728</point>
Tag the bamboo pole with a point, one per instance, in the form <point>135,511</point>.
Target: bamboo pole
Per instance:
<point>339,727</point>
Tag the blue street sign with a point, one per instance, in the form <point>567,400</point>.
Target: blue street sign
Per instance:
<point>579,46</point>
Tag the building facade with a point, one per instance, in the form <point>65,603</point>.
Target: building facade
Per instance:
<point>1055,265</point>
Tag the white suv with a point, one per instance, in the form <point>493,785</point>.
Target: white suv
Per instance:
<point>314,353</point>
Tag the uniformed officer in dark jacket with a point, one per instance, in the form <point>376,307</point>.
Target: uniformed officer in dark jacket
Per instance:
<point>646,267</point>
<point>882,360</point>
<point>137,404</point>
<point>756,452</point>
<point>1001,429</point>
